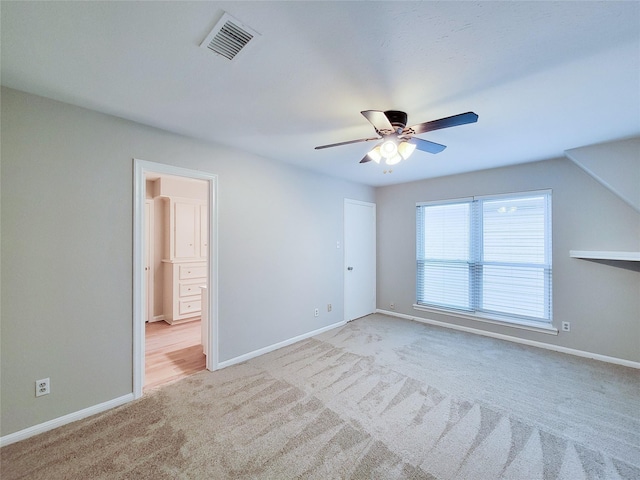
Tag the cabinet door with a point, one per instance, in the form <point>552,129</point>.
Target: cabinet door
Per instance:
<point>186,219</point>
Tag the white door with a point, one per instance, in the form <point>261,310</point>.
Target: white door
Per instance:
<point>359,259</point>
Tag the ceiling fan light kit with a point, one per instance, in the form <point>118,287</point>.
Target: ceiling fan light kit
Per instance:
<point>389,149</point>
<point>405,149</point>
<point>398,141</point>
<point>375,154</point>
<point>394,160</point>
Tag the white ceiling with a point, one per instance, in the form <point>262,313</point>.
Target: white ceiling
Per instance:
<point>543,77</point>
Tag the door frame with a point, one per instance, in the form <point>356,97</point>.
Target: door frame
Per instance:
<point>373,260</point>
<point>148,246</point>
<point>140,168</point>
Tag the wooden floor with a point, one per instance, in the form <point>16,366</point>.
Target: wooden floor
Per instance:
<point>171,352</point>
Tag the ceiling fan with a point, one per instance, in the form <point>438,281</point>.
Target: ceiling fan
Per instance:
<point>398,141</point>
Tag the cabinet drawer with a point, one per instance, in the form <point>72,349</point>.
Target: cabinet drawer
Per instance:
<point>190,271</point>
<point>190,306</point>
<point>189,289</point>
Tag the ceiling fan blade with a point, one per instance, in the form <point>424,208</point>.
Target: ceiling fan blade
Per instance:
<point>454,121</point>
<point>379,120</point>
<point>426,145</point>
<point>347,143</point>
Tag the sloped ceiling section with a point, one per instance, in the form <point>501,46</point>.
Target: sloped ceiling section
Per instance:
<point>616,165</point>
<point>544,77</point>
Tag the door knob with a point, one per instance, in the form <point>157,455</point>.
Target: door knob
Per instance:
<point>349,268</point>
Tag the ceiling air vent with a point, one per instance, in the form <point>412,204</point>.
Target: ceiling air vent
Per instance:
<point>229,37</point>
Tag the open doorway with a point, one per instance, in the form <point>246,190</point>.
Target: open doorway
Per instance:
<point>176,256</point>
<point>175,281</point>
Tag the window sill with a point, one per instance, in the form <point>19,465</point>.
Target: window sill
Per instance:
<point>521,324</point>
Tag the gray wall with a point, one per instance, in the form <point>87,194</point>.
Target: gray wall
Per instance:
<point>614,164</point>
<point>601,300</point>
<point>66,252</point>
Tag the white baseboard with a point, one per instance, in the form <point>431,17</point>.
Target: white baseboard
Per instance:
<point>532,343</point>
<point>271,348</point>
<point>158,318</point>
<point>60,421</point>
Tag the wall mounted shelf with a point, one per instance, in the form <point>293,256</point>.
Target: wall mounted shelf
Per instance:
<point>601,255</point>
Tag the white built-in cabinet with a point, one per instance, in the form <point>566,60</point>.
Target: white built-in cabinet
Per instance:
<point>187,224</point>
<point>185,258</point>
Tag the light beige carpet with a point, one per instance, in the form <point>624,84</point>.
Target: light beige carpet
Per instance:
<point>380,398</point>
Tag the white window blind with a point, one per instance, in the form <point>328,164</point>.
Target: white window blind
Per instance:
<point>489,256</point>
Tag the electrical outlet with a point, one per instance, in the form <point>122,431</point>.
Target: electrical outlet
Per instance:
<point>392,306</point>
<point>43,387</point>
<point>329,307</point>
<point>566,326</point>
<point>316,312</point>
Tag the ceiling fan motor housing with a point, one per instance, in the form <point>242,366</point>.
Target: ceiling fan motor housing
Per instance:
<point>397,118</point>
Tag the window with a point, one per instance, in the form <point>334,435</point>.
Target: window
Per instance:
<point>486,256</point>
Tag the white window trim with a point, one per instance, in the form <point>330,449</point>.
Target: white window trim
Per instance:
<point>527,193</point>
<point>446,201</point>
<point>533,326</point>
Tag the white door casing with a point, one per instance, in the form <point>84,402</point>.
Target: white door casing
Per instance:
<point>359,259</point>
<point>148,259</point>
<point>141,167</point>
